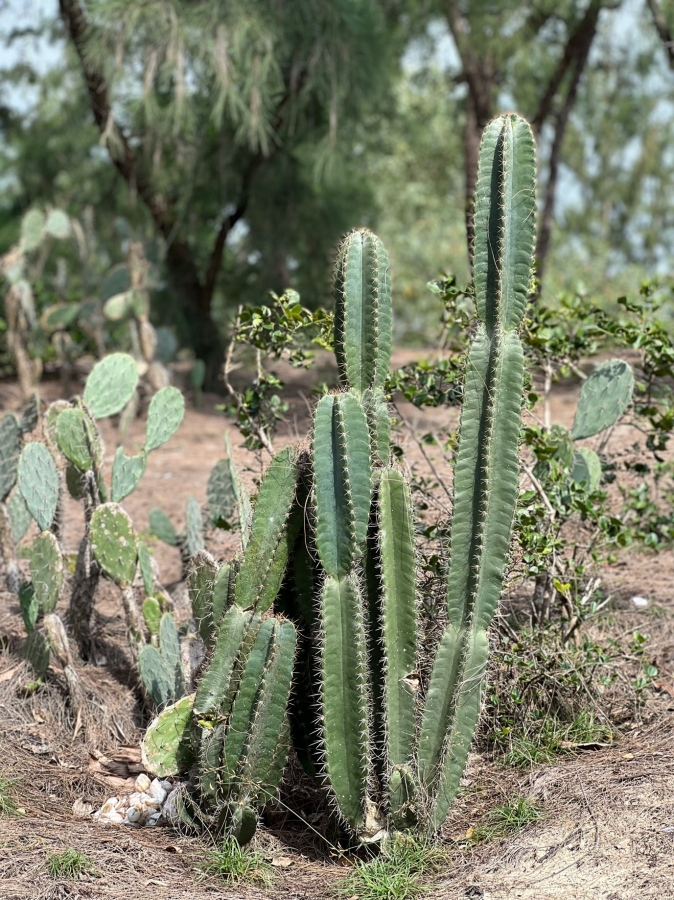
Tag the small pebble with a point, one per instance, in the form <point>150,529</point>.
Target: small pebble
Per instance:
<point>142,783</point>
<point>157,792</point>
<point>640,602</point>
<point>133,814</point>
<point>108,806</point>
<point>112,818</point>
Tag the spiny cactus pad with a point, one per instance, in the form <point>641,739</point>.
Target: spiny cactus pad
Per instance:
<point>36,650</point>
<point>11,443</point>
<point>604,397</point>
<point>155,675</point>
<point>586,468</point>
<point>165,749</point>
<point>169,644</point>
<point>151,614</point>
<point>166,412</point>
<point>79,440</point>
<point>200,583</point>
<point>126,473</point>
<point>39,483</point>
<point>29,605</point>
<point>114,543</point>
<point>162,527</point>
<point>110,385</point>
<point>46,569</point>
<point>19,516</point>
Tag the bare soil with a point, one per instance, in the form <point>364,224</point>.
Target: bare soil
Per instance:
<point>608,826</point>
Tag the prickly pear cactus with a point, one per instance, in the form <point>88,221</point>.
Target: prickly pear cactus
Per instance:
<point>46,569</point>
<point>78,439</point>
<point>126,473</point>
<point>11,444</point>
<point>39,483</point>
<point>166,412</point>
<point>604,397</point>
<point>114,543</point>
<point>110,385</point>
<point>165,749</point>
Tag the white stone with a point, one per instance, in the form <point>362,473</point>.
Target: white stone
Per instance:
<point>112,818</point>
<point>108,806</point>
<point>640,602</point>
<point>157,792</point>
<point>142,783</point>
<point>133,814</point>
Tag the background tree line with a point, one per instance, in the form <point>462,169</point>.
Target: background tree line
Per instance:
<point>239,140</point>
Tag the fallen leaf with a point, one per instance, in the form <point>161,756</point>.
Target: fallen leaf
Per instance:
<point>470,832</point>
<point>665,688</point>
<point>628,756</point>
<point>8,674</point>
<point>81,809</point>
<point>282,862</point>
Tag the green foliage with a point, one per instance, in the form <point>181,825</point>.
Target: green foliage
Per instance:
<point>164,416</point>
<point>161,669</point>
<point>11,443</point>
<point>232,863</point>
<point>396,873</point>
<point>36,650</point>
<point>507,819</point>
<point>8,805</point>
<point>69,863</point>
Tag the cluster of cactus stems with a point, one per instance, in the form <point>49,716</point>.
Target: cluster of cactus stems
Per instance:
<point>331,548</point>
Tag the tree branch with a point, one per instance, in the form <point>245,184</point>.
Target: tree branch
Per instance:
<point>582,53</point>
<point>576,46</point>
<point>663,30</point>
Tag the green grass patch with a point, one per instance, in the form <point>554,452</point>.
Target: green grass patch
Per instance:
<point>396,873</point>
<point>233,863</point>
<point>8,805</point>
<point>69,863</point>
<point>507,819</point>
<point>546,741</point>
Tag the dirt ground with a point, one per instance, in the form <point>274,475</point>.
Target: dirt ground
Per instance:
<point>607,832</point>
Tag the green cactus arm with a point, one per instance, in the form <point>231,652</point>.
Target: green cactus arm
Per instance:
<point>342,485</point>
<point>505,221</point>
<point>19,516</point>
<point>344,697</point>
<point>267,744</point>
<point>145,566</point>
<point>247,698</point>
<point>362,312</point>
<point>162,527</point>
<point>152,615</point>
<point>169,644</point>
<point>222,593</point>
<point>201,577</point>
<point>242,497</point>
<point>379,423</point>
<point>210,756</point>
<point>214,682</point>
<point>266,556</point>
<point>399,613</point>
<point>220,494</point>
<point>194,527</point>
<point>466,713</point>
<point>439,703</point>
<point>502,477</point>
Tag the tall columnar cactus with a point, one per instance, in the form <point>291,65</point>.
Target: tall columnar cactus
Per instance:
<point>332,545</point>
